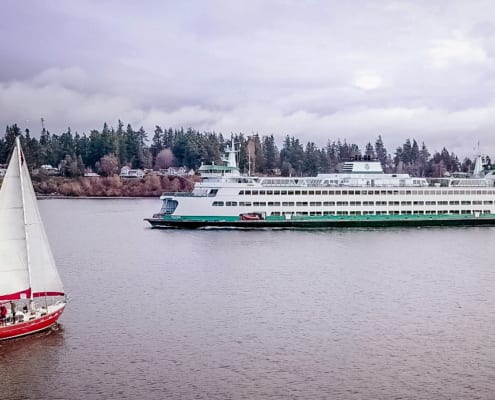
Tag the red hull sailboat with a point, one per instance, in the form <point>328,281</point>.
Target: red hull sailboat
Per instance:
<point>31,293</point>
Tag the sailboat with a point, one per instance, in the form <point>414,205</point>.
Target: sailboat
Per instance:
<point>32,296</point>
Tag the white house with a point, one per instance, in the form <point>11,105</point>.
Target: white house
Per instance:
<point>50,170</point>
<point>127,172</point>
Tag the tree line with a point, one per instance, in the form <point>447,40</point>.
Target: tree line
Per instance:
<point>105,151</point>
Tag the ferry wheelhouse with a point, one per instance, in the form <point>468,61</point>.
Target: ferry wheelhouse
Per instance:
<point>361,195</point>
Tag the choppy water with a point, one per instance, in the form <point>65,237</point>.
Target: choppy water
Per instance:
<point>221,314</point>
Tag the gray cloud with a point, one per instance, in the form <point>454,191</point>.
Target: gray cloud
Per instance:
<point>317,70</point>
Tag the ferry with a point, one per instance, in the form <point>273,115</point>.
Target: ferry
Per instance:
<point>362,195</point>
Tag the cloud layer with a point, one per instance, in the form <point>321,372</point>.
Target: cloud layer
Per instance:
<point>317,70</point>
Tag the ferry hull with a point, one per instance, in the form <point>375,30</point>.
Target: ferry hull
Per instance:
<point>363,222</point>
<point>30,327</point>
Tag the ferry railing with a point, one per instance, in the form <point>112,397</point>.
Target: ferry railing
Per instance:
<point>187,194</point>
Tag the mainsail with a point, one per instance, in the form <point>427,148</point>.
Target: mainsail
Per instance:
<point>27,266</point>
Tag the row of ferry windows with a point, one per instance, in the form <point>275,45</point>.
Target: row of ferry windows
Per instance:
<point>349,203</point>
<point>315,213</point>
<point>364,192</point>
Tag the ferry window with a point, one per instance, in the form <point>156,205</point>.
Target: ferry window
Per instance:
<point>274,203</point>
<point>477,202</point>
<point>284,192</point>
<point>213,192</point>
<point>488,202</point>
<point>461,192</point>
<point>355,203</point>
<point>359,192</point>
<point>465,202</point>
<point>254,192</point>
<point>269,192</point>
<point>368,203</point>
<point>328,213</point>
<point>231,203</point>
<point>304,192</point>
<point>418,203</point>
<point>302,203</point>
<point>276,192</point>
<point>324,192</point>
<point>262,192</point>
<point>315,203</point>
<point>311,192</point>
<point>407,192</point>
<point>351,191</point>
<point>290,192</point>
<point>288,203</point>
<point>393,203</point>
<point>342,203</point>
<point>245,203</point>
<point>329,203</point>
<point>431,203</point>
<point>241,192</point>
<point>318,192</point>
<point>247,192</point>
<point>218,203</point>
<point>442,203</point>
<point>405,203</point>
<point>337,192</point>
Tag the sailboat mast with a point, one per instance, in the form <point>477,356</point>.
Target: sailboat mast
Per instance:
<point>21,160</point>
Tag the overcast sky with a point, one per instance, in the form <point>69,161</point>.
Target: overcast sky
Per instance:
<point>318,70</point>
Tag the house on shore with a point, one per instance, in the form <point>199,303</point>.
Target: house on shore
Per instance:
<point>127,172</point>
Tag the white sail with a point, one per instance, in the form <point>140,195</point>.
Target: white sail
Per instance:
<point>29,262</point>
<point>42,267</point>
<point>14,276</point>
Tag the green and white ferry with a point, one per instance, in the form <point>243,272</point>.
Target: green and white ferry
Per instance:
<point>362,195</point>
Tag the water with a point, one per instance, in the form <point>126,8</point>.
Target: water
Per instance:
<point>221,314</point>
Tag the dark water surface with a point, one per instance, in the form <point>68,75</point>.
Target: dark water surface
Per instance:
<point>220,314</point>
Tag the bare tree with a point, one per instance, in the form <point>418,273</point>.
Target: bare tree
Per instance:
<point>165,159</point>
<point>109,165</point>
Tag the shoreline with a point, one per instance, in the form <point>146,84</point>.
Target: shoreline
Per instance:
<point>62,197</point>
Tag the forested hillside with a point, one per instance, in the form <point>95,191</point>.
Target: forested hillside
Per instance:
<point>106,151</point>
